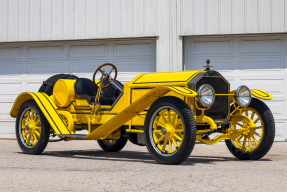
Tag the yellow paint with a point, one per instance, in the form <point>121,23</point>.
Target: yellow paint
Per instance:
<point>179,78</point>
<point>128,113</point>
<point>68,120</point>
<point>63,92</point>
<point>261,94</point>
<point>164,77</point>
<point>48,108</point>
<point>205,119</point>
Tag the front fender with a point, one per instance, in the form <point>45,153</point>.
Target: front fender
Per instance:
<point>261,94</point>
<point>135,108</point>
<point>48,108</point>
<point>258,93</point>
<point>182,91</point>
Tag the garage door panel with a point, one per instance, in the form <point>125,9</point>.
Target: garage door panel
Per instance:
<point>225,65</point>
<point>126,48</point>
<point>277,108</point>
<point>10,88</point>
<point>140,65</point>
<point>45,67</point>
<point>273,86</point>
<point>264,65</point>
<point>5,107</point>
<point>34,86</point>
<point>10,52</point>
<point>261,45</point>
<point>280,133</point>
<point>211,46</point>
<point>85,66</point>
<point>7,128</point>
<point>10,70</point>
<point>44,51</point>
<point>88,50</point>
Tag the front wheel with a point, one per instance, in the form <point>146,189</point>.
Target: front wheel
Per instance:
<point>32,128</point>
<point>170,131</point>
<point>254,143</point>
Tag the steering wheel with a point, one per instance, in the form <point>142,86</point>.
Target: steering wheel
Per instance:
<point>106,69</point>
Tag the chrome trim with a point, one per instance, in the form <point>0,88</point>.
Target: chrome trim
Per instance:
<point>200,95</point>
<point>236,95</point>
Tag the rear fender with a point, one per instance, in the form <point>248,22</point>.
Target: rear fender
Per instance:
<point>48,108</point>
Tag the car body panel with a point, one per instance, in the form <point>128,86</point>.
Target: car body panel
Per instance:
<point>48,108</point>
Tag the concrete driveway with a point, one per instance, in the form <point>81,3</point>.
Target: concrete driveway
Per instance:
<point>82,165</point>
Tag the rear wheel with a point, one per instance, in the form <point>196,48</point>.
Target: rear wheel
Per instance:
<point>110,145</point>
<point>170,131</point>
<point>32,128</point>
<point>254,143</point>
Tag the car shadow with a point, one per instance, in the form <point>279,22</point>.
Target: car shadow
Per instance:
<point>134,156</point>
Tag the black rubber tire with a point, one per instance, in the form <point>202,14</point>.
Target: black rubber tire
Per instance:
<point>48,85</point>
<point>116,147</point>
<point>189,137</point>
<point>268,136</point>
<point>45,130</point>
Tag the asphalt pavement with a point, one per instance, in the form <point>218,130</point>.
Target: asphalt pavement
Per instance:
<point>82,166</point>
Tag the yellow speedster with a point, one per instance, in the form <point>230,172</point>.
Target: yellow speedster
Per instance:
<point>168,112</point>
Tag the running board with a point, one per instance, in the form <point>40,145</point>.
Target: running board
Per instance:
<point>72,135</point>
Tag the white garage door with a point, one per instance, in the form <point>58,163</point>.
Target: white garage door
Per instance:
<point>258,62</point>
<point>24,66</point>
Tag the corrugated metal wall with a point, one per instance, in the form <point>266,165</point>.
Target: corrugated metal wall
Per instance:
<point>203,17</point>
<point>32,20</point>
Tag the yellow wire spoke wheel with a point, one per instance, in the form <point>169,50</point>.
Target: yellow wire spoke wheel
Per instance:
<point>32,128</point>
<point>170,130</point>
<point>251,138</point>
<point>167,131</point>
<point>254,143</point>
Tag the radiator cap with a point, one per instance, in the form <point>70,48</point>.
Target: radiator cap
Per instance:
<point>207,66</point>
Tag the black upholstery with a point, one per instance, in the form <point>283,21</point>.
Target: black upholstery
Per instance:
<point>85,89</point>
<point>109,94</point>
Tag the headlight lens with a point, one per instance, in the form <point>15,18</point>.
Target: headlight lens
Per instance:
<point>243,96</point>
<point>206,95</point>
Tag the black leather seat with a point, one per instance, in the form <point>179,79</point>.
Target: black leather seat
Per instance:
<point>85,89</point>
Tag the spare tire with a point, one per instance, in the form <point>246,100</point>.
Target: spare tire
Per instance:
<point>48,85</point>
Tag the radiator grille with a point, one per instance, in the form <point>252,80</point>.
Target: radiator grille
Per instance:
<point>220,108</point>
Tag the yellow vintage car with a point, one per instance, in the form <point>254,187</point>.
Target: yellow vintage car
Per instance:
<point>168,112</point>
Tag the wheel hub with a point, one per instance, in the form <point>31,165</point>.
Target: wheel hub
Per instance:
<point>168,130</point>
<point>248,127</point>
<point>27,127</point>
<point>163,130</point>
